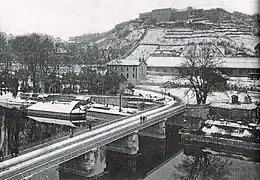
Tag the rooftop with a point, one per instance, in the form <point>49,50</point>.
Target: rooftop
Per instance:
<point>61,107</point>
<point>238,62</point>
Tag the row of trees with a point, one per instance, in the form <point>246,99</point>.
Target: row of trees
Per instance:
<point>42,56</point>
<point>87,80</point>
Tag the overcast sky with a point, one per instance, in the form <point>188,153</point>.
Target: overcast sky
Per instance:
<point>65,18</point>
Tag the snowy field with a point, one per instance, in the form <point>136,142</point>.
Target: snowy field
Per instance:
<point>142,51</point>
<point>135,35</point>
<point>154,36</point>
<point>247,41</point>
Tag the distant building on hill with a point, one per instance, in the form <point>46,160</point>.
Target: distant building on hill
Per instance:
<point>134,70</point>
<point>170,14</point>
<point>161,15</point>
<point>144,16</point>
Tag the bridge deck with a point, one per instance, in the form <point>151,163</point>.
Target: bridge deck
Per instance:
<point>59,152</point>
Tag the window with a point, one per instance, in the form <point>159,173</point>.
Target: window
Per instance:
<point>122,69</point>
<point>126,68</point>
<point>127,75</point>
<point>133,68</point>
<point>133,75</point>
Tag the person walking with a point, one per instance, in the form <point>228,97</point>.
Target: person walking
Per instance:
<point>71,132</point>
<point>1,155</point>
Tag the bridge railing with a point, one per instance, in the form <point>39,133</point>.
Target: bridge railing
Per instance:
<point>64,135</point>
<point>70,153</point>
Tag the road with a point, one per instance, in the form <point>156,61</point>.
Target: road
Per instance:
<point>69,148</point>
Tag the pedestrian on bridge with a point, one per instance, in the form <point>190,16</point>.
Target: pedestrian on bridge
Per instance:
<point>1,155</point>
<point>71,132</point>
<point>90,126</point>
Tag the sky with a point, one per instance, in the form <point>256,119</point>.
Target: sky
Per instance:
<point>66,18</point>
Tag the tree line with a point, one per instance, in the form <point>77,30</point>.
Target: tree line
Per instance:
<point>42,56</point>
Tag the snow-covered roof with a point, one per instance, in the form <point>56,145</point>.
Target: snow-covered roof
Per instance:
<point>124,62</point>
<point>234,106</point>
<point>62,107</point>
<point>227,124</point>
<point>82,98</point>
<point>241,62</point>
<point>101,108</point>
<point>52,121</point>
<point>248,63</point>
<point>235,133</point>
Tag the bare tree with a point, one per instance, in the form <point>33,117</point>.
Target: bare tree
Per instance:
<point>200,69</point>
<point>204,166</point>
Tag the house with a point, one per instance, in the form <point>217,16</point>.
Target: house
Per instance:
<point>233,67</point>
<point>161,15</point>
<point>237,112</point>
<point>133,69</point>
<point>62,113</point>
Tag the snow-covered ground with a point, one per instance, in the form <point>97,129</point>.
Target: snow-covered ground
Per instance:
<point>235,133</point>
<point>159,79</point>
<point>247,41</point>
<point>154,36</point>
<point>215,97</point>
<point>238,81</point>
<point>135,34</point>
<point>243,81</point>
<point>8,100</point>
<point>142,51</point>
<point>112,109</point>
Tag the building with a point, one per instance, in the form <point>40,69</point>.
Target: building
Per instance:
<point>134,70</point>
<point>63,113</point>
<point>144,16</point>
<point>161,15</point>
<point>233,66</point>
<point>237,112</point>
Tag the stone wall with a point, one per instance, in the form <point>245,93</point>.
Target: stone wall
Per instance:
<point>235,114</point>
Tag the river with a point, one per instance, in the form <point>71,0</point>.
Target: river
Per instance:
<point>152,153</point>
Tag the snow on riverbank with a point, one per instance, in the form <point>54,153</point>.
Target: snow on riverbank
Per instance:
<point>215,97</point>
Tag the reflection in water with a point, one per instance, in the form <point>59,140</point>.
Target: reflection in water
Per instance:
<point>152,153</point>
<point>204,166</point>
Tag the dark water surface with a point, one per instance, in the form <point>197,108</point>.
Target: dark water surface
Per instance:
<point>152,153</point>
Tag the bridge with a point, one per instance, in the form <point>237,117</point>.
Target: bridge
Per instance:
<point>65,149</point>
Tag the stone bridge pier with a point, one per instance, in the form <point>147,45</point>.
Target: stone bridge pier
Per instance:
<point>177,120</point>
<point>156,131</point>
<point>90,164</point>
<point>128,144</point>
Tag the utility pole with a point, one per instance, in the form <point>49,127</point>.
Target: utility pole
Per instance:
<point>120,102</point>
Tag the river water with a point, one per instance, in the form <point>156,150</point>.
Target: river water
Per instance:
<point>152,153</point>
<point>168,159</point>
